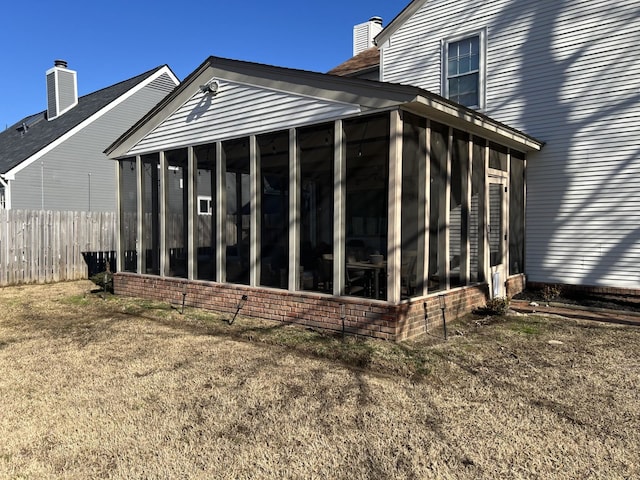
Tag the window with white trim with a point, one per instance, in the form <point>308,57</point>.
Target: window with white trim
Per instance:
<point>204,205</point>
<point>464,70</point>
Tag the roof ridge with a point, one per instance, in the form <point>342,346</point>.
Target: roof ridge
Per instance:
<point>142,76</point>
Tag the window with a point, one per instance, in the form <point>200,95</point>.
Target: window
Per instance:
<point>204,205</point>
<point>464,79</point>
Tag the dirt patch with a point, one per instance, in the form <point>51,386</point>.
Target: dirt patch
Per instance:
<point>126,388</point>
<point>558,295</point>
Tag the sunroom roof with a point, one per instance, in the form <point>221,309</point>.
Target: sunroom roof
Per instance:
<point>353,95</point>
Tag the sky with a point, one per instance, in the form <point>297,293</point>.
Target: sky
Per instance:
<point>110,41</point>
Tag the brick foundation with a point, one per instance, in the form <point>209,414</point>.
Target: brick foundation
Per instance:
<point>408,320</point>
<point>516,284</point>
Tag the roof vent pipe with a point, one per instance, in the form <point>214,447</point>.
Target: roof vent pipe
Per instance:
<point>60,63</point>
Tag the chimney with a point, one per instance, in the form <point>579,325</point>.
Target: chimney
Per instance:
<point>364,33</point>
<point>62,89</point>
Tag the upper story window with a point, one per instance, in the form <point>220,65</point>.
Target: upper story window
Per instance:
<point>464,70</point>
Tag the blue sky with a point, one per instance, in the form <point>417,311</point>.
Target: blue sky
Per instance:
<point>109,41</point>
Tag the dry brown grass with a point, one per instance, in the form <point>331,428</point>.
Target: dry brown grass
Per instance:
<point>119,388</point>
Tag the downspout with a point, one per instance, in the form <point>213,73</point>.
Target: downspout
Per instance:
<point>7,192</point>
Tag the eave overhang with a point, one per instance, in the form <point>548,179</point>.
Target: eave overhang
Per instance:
<point>468,120</point>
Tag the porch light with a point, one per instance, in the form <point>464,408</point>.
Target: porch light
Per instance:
<point>210,87</point>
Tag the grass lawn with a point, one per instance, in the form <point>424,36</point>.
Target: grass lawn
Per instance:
<point>123,388</point>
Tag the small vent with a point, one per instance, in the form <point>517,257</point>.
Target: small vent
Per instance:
<point>163,83</point>
<point>52,107</point>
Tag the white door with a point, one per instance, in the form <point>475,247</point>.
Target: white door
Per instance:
<point>497,233</point>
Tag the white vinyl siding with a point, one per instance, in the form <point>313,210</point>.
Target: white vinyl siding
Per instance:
<point>237,110</point>
<point>567,73</point>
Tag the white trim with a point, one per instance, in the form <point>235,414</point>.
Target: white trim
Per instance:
<point>339,209</point>
<point>482,67</point>
<point>118,236</point>
<point>141,263</point>
<point>36,156</point>
<point>221,215</point>
<point>55,70</point>
<point>425,196</point>
<point>295,281</point>
<point>381,62</point>
<point>192,217</point>
<point>7,193</point>
<point>394,207</point>
<point>255,207</point>
<point>163,207</point>
<point>208,199</point>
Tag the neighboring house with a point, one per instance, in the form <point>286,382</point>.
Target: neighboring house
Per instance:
<point>327,201</point>
<point>566,72</point>
<point>54,160</point>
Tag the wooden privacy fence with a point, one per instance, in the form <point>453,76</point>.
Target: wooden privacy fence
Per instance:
<point>45,246</point>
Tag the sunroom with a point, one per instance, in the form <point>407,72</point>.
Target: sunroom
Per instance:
<point>330,202</point>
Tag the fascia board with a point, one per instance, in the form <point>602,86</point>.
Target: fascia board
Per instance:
<point>367,93</point>
<point>88,121</point>
<point>472,122</point>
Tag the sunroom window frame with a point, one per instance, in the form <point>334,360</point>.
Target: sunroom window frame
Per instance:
<point>482,47</point>
<point>209,200</point>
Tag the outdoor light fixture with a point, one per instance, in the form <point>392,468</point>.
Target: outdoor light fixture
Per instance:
<point>210,87</point>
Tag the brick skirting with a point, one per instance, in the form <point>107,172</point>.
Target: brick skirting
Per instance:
<point>516,284</point>
<point>408,320</point>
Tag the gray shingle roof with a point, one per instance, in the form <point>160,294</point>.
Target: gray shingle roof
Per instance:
<point>18,144</point>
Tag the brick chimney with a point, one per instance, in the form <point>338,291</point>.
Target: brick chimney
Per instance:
<point>364,33</point>
<point>62,89</point>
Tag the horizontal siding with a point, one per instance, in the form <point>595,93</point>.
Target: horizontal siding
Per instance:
<point>60,179</point>
<point>567,73</point>
<point>237,110</point>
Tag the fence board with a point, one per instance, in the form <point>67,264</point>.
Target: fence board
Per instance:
<point>45,246</point>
